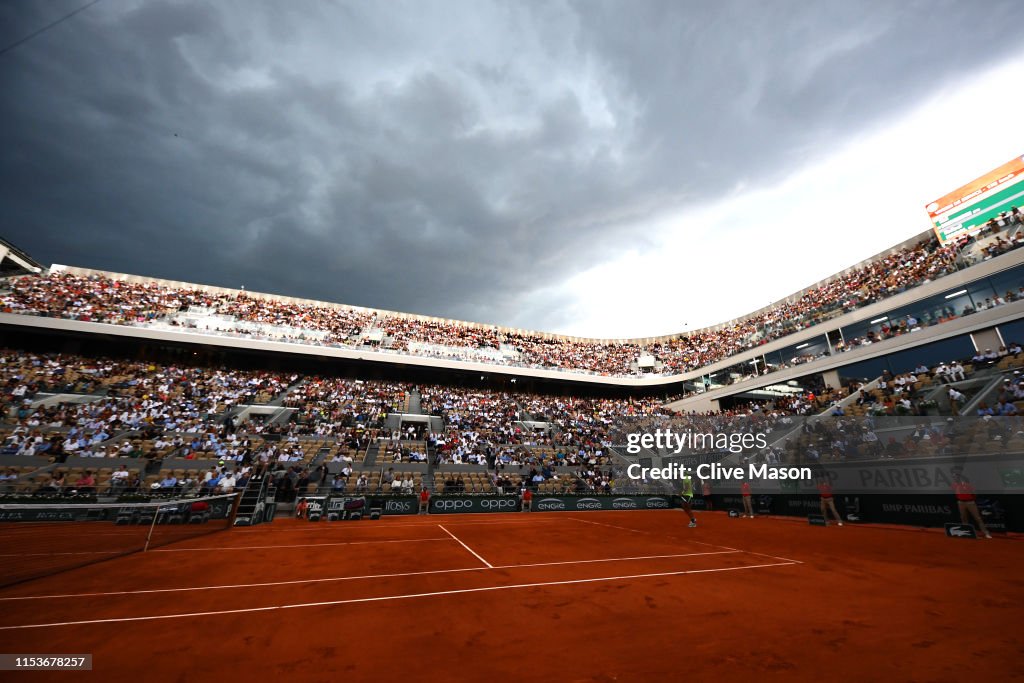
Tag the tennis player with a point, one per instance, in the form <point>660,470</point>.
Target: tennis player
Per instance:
<point>967,501</point>
<point>687,496</point>
<point>828,503</point>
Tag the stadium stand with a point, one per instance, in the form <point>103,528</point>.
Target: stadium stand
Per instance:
<point>159,427</point>
<point>138,414</point>
<point>120,300</point>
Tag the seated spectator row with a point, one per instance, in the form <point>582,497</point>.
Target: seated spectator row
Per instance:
<point>463,482</point>
<point>75,481</point>
<point>368,481</point>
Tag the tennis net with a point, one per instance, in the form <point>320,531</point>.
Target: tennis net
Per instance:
<point>39,539</point>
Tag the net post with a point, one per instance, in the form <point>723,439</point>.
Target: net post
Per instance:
<point>234,509</point>
<point>152,524</point>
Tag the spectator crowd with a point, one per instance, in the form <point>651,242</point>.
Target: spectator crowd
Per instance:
<point>99,298</point>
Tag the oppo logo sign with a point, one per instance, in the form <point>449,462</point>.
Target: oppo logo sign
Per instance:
<point>588,504</point>
<point>506,504</point>
<point>623,503</point>
<point>468,504</point>
<point>551,504</point>
<point>450,504</point>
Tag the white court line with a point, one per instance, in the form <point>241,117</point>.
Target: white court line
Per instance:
<point>749,552</point>
<point>610,526</point>
<point>481,522</point>
<point>710,545</point>
<point>295,545</point>
<point>354,578</point>
<point>383,598</point>
<point>475,554</point>
<point>81,552</point>
<point>50,531</point>
<point>426,520</point>
<point>216,549</point>
<point>315,526</point>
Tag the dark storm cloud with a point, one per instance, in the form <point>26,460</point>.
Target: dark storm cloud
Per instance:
<point>737,90</point>
<point>455,159</point>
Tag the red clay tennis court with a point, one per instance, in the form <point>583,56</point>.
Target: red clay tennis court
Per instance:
<point>606,596</point>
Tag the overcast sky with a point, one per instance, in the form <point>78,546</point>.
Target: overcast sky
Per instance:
<point>607,169</point>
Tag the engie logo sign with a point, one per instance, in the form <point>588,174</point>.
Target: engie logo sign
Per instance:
<point>555,503</point>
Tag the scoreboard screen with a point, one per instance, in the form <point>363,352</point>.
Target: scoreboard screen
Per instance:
<point>965,210</point>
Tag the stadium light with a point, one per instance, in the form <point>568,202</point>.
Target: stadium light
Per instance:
<point>803,345</point>
<point>878,320</point>
<point>956,294</point>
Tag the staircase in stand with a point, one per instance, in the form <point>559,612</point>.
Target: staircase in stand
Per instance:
<point>431,463</point>
<point>251,507</point>
<point>414,406</point>
<point>372,451</point>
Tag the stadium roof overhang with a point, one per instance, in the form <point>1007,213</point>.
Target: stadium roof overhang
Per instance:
<point>14,261</point>
<point>651,383</point>
<point>981,320</point>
